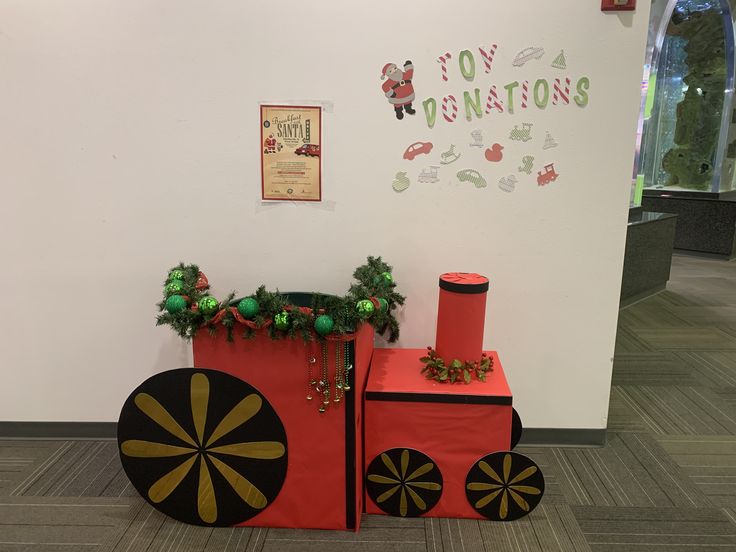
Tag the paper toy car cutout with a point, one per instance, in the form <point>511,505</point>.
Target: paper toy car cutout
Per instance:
<point>417,148</point>
<point>527,54</point>
<point>471,175</point>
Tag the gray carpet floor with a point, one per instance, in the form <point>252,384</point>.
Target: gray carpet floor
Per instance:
<point>665,481</point>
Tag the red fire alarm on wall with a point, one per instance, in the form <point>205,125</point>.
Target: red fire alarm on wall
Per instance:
<point>618,5</point>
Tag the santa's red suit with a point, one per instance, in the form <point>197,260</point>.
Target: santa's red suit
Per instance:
<point>398,87</point>
<point>270,143</point>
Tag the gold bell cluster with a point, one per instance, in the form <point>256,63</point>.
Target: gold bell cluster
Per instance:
<point>319,385</point>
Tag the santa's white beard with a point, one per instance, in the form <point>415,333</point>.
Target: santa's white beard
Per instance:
<point>396,76</point>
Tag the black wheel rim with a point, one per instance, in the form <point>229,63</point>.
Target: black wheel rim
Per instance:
<point>404,482</point>
<point>202,446</point>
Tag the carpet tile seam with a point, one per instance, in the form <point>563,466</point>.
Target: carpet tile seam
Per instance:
<point>596,464</point>
<point>240,538</point>
<point>449,533</point>
<point>566,469</point>
<point>583,464</point>
<point>60,467</point>
<point>102,470</point>
<point>730,516</point>
<point>143,524</point>
<point>649,474</point>
<point>460,534</point>
<point>675,421</point>
<point>698,360</point>
<point>510,536</point>
<point>552,529</point>
<point>629,499</point>
<point>667,472</point>
<point>117,473</point>
<point>169,536</point>
<point>74,473</point>
<point>282,539</point>
<point>79,465</point>
<point>686,406</point>
<point>644,416</point>
<point>127,484</point>
<point>255,544</point>
<point>695,390</point>
<point>714,420</point>
<point>69,458</point>
<point>613,483</point>
<point>631,474</point>
<point>40,469</point>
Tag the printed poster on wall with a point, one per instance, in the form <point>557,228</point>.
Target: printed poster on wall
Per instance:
<point>291,152</point>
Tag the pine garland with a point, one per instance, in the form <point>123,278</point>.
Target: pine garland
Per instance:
<point>374,285</point>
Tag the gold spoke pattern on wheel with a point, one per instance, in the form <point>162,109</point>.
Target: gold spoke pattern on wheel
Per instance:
<point>153,409</point>
<point>508,487</point>
<point>206,503</point>
<point>148,449</point>
<point>199,398</point>
<point>400,480</point>
<point>162,488</point>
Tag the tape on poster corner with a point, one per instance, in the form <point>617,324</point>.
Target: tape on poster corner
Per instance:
<point>263,206</point>
<point>328,106</point>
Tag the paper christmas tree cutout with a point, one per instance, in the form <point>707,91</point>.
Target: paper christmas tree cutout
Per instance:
<point>549,142</point>
<point>560,62</point>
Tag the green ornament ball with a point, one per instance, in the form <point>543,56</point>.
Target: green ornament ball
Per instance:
<point>383,279</point>
<point>175,274</point>
<point>175,304</point>
<point>383,303</point>
<point>365,308</point>
<point>207,305</point>
<point>281,321</point>
<point>248,307</point>
<point>174,287</point>
<point>324,324</point>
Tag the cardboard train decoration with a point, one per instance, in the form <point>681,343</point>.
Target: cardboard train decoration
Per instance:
<point>233,440</point>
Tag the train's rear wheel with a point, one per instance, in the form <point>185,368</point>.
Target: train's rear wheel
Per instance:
<point>504,486</point>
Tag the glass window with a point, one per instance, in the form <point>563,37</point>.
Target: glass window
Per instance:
<point>685,136</point>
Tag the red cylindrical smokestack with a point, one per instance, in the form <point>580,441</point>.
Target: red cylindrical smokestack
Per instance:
<point>461,316</point>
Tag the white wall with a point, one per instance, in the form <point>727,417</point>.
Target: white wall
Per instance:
<point>129,141</point>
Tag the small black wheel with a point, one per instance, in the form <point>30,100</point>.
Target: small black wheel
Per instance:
<point>504,486</point>
<point>516,428</point>
<point>404,482</point>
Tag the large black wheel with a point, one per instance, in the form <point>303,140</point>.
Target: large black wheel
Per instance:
<point>404,482</point>
<point>504,486</point>
<point>202,446</point>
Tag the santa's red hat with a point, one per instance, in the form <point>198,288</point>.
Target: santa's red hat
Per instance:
<point>386,69</point>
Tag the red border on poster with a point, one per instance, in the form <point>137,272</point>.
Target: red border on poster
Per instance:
<point>262,158</point>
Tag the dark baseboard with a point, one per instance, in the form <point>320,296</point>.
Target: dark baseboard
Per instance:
<point>641,296</point>
<point>703,254</point>
<point>551,437</point>
<point>58,430</point>
<point>532,436</point>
